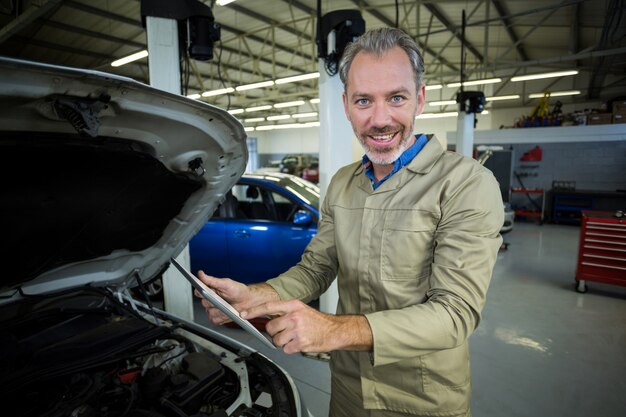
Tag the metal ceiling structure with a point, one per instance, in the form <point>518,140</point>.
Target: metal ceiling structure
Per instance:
<point>270,39</point>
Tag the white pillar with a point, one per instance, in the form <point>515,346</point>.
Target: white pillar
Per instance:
<point>164,70</point>
<point>335,150</point>
<point>465,133</point>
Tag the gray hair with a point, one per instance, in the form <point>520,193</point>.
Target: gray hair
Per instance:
<point>378,41</point>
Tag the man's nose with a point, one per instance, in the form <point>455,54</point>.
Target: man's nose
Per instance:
<point>381,116</point>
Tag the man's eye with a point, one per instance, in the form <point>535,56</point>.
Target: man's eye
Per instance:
<point>362,101</point>
<point>397,99</point>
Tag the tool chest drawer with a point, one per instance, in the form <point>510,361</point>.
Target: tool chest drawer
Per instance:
<point>602,249</point>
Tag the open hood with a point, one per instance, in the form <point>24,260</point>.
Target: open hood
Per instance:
<point>103,179</point>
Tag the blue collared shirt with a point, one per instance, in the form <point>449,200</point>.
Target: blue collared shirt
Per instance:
<point>405,158</point>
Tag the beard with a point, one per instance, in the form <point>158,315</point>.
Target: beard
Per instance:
<point>386,155</point>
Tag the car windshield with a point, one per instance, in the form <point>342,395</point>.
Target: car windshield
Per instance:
<point>306,190</point>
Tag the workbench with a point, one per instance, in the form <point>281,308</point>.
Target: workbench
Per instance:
<point>567,206</point>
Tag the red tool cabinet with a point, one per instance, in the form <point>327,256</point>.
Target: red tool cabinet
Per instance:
<point>602,249</point>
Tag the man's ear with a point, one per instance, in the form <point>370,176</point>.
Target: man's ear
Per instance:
<point>421,99</point>
<point>345,106</point>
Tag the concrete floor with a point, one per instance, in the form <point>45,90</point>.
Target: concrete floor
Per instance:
<point>541,350</point>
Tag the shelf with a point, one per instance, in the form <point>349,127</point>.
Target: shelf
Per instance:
<point>538,135</point>
<point>530,213</point>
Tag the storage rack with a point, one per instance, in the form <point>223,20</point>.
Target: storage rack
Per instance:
<point>602,249</point>
<point>531,213</point>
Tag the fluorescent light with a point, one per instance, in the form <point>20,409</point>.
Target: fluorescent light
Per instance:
<point>218,92</point>
<point>303,115</point>
<point>475,82</point>
<point>437,115</point>
<point>236,111</point>
<point>258,108</point>
<point>298,78</point>
<point>314,100</point>
<point>288,126</point>
<point>248,129</point>
<point>224,2</point>
<point>255,85</point>
<point>554,94</point>
<point>130,58</point>
<point>434,87</point>
<point>194,96</point>
<point>442,103</point>
<point>254,120</point>
<point>499,98</point>
<point>289,104</point>
<point>544,75</point>
<point>279,117</point>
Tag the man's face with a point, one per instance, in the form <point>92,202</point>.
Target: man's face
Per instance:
<point>381,102</point>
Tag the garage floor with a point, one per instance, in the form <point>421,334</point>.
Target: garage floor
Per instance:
<point>542,349</point>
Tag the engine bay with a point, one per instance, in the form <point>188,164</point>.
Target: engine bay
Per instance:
<point>84,354</point>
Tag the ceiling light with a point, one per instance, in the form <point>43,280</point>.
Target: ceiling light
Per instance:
<point>475,82</point>
<point>224,2</point>
<point>434,87</point>
<point>437,115</point>
<point>288,126</point>
<point>303,115</point>
<point>442,103</point>
<point>289,104</point>
<point>194,96</point>
<point>499,98</point>
<point>248,129</point>
<point>544,75</point>
<point>130,58</point>
<point>255,85</point>
<point>236,111</point>
<point>314,100</point>
<point>254,120</point>
<point>554,94</point>
<point>218,92</point>
<point>258,108</point>
<point>278,117</point>
<point>298,78</point>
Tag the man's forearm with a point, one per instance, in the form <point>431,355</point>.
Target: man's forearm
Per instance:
<point>352,332</point>
<point>263,293</point>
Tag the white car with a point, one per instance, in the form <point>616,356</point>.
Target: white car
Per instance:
<point>104,180</point>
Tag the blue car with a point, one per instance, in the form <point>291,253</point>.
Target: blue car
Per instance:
<point>260,230</point>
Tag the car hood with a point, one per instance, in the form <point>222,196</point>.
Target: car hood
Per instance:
<point>103,179</point>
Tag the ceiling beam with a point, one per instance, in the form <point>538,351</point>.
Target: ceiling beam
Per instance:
<point>613,29</point>
<point>61,48</point>
<point>389,23</point>
<point>256,38</point>
<point>453,29</point>
<point>32,13</point>
<point>91,33</point>
<point>269,21</point>
<point>508,26</point>
<point>103,13</point>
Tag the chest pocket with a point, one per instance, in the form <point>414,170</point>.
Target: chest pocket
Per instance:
<point>407,245</point>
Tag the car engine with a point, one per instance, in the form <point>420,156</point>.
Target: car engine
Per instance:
<point>87,354</point>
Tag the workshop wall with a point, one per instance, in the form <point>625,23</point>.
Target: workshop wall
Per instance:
<point>599,166</point>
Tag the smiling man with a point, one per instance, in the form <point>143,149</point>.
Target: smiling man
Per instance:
<point>411,234</point>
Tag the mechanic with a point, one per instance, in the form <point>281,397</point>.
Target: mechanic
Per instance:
<point>411,233</point>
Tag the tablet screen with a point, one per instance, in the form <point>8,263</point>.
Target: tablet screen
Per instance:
<point>221,304</point>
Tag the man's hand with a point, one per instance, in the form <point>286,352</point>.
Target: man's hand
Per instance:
<point>239,295</point>
<point>300,328</point>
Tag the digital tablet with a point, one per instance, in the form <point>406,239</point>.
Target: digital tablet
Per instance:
<point>222,304</point>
